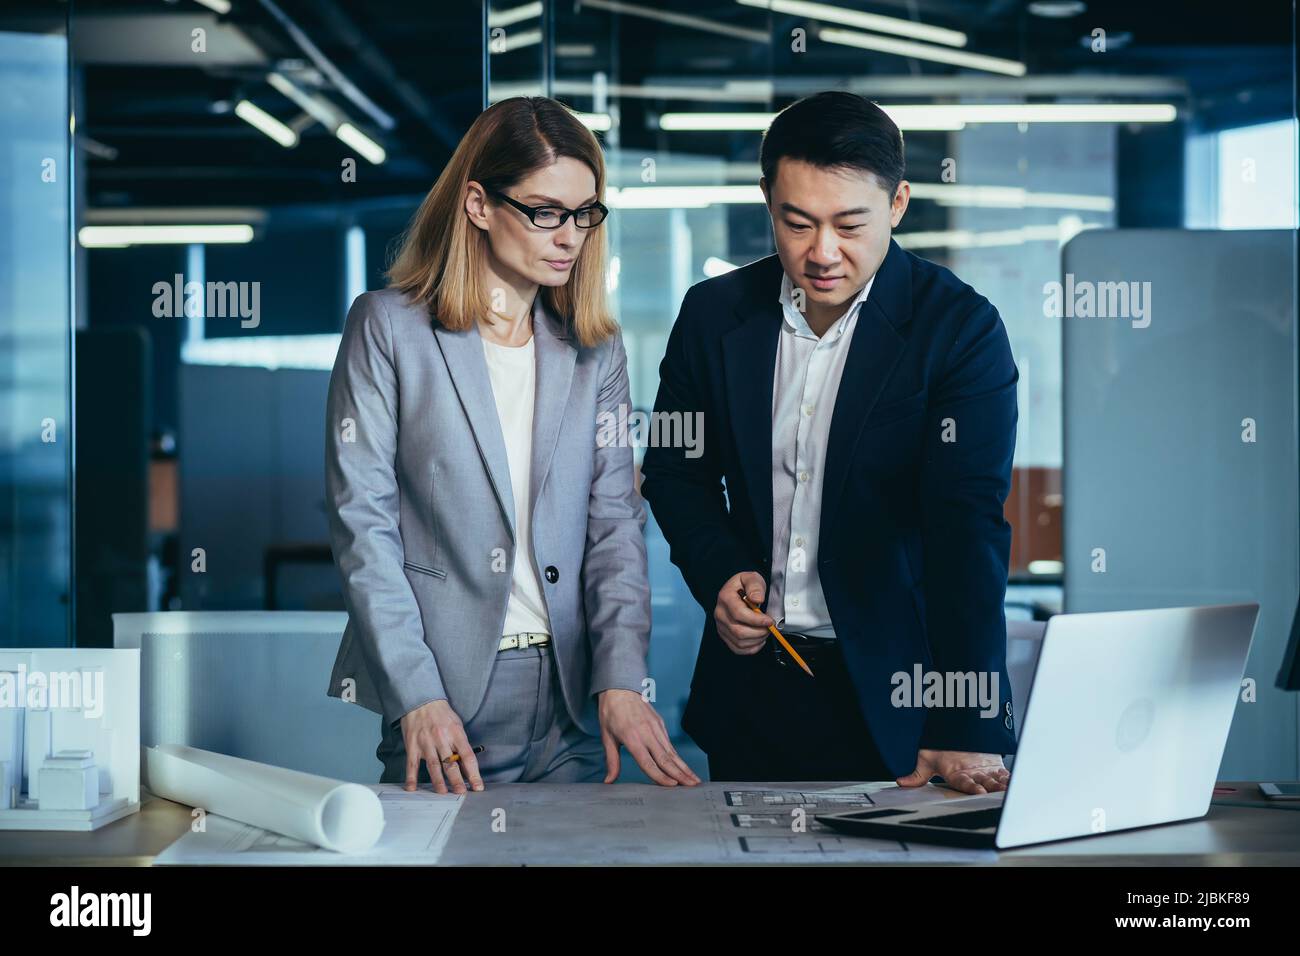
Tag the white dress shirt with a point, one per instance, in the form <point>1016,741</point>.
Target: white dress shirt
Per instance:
<point>808,371</point>
<point>513,372</point>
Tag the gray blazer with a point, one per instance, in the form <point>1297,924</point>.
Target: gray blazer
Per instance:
<point>422,518</point>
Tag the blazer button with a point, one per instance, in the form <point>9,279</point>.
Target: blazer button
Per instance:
<point>552,574</point>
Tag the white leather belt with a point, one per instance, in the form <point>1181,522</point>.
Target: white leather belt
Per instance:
<point>511,641</point>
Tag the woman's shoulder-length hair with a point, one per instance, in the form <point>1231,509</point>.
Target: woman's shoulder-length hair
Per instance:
<point>439,262</point>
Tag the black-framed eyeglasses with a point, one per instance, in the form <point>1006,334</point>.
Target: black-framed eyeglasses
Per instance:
<point>553,217</point>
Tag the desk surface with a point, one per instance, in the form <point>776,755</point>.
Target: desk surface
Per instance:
<point>1254,834</point>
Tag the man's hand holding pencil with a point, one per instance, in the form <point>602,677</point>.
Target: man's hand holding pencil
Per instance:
<point>742,628</point>
<point>741,625</point>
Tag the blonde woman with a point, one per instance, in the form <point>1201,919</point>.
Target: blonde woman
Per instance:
<point>490,548</point>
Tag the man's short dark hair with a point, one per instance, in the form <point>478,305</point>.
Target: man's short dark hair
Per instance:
<point>835,129</point>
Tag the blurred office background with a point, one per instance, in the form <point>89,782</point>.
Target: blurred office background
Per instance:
<point>289,142</point>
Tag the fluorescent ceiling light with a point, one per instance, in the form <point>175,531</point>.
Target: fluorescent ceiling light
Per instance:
<point>949,117</point>
<point>856,18</point>
<point>325,114</point>
<point>92,237</point>
<point>650,197</point>
<point>754,90</point>
<point>504,18</point>
<point>1046,567</point>
<point>313,106</point>
<point>928,88</point>
<point>963,195</point>
<point>216,6</point>
<point>362,143</point>
<point>597,121</point>
<point>969,239</point>
<point>922,51</point>
<point>1034,113</point>
<point>760,121</point>
<point>266,123</point>
<point>678,122</point>
<point>919,121</point>
<point>1008,197</point>
<point>265,351</point>
<point>681,197</point>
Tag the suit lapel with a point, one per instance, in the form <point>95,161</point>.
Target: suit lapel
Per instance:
<point>556,355</point>
<point>749,362</point>
<point>463,353</point>
<point>874,350</point>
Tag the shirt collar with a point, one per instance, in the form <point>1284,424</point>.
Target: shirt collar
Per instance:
<point>798,322</point>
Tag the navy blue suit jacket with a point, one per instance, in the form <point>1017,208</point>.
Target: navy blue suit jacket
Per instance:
<point>913,546</point>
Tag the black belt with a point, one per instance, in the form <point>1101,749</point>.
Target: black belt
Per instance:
<point>809,648</point>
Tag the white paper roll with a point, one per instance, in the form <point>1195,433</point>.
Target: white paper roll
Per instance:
<point>333,814</point>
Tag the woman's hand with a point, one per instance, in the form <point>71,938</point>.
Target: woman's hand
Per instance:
<point>432,733</point>
<point>626,718</point>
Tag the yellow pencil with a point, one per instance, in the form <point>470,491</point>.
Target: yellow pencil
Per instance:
<point>455,758</point>
<point>777,634</point>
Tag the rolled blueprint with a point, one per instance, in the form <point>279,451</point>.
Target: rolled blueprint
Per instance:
<point>333,814</point>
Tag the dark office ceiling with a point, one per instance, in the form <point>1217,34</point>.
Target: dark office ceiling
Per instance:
<point>159,115</point>
<point>156,116</point>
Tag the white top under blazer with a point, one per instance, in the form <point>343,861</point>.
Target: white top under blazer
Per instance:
<point>513,372</point>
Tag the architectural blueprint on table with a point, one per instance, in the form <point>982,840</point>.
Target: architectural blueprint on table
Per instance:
<point>714,823</point>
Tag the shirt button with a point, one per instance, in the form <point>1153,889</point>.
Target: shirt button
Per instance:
<point>798,542</point>
<point>808,409</point>
<point>803,476</point>
<point>552,573</point>
<point>794,602</point>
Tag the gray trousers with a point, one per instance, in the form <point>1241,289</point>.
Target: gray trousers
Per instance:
<point>523,726</point>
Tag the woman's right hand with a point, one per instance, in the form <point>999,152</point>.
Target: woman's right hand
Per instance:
<point>432,733</point>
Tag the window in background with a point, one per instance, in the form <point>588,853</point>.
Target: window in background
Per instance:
<point>1256,176</point>
<point>1242,177</point>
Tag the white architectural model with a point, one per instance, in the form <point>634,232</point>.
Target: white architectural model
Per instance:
<point>69,737</point>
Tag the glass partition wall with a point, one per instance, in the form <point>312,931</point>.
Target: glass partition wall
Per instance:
<point>36,428</point>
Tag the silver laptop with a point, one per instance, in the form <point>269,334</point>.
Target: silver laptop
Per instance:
<point>1125,727</point>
